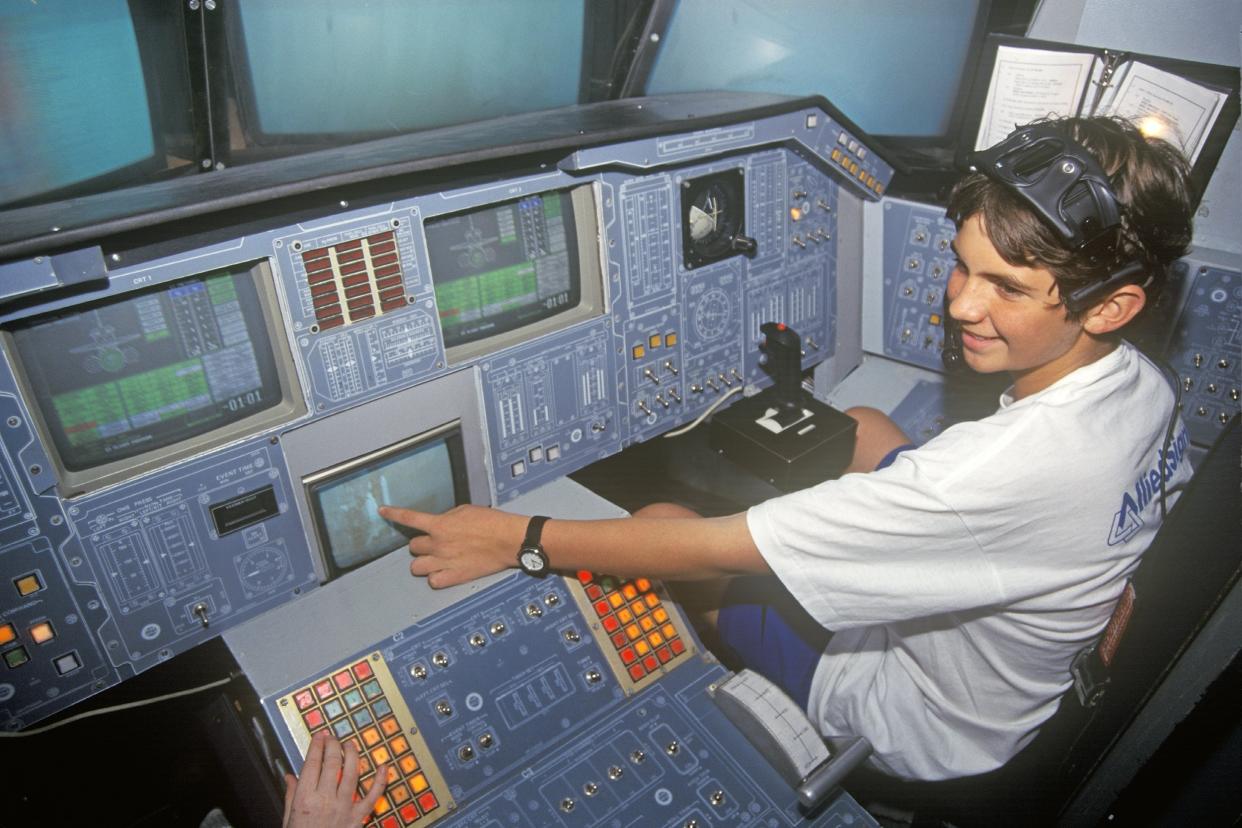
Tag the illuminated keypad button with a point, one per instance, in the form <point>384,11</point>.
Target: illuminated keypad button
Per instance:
<point>641,647</point>
<point>646,623</point>
<point>669,631</point>
<point>399,794</point>
<point>67,663</point>
<point>652,599</point>
<point>428,802</point>
<point>324,689</point>
<point>602,608</point>
<point>342,728</point>
<point>677,646</point>
<point>518,469</point>
<point>934,319</point>
<point>651,662</point>
<point>638,351</point>
<point>637,671</point>
<point>408,813</point>
<point>593,592</point>
<point>419,783</point>
<point>304,700</point>
<point>8,634</point>
<point>314,719</point>
<point>660,615</point>
<point>664,654</point>
<point>670,339</point>
<point>585,576</point>
<point>372,689</point>
<point>380,755</point>
<point>643,584</point>
<point>382,805</point>
<point>363,671</point>
<point>371,737</point>
<point>653,341</point>
<point>399,745</point>
<point>611,624</point>
<point>619,639</point>
<point>362,718</point>
<point>616,600</point>
<point>408,764</point>
<point>632,632</point>
<point>656,639</point>
<point>334,709</point>
<point>353,699</point>
<point>625,616</point>
<point>392,775</point>
<point>381,708</point>
<point>42,632</point>
<point>638,607</point>
<point>629,591</point>
<point>628,656</point>
<point>389,822</point>
<point>28,584</point>
<point>390,726</point>
<point>343,680</point>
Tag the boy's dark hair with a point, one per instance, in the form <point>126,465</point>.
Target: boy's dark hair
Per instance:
<point>1150,179</point>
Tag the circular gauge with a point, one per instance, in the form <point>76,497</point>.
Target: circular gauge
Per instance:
<point>712,213</point>
<point>711,314</point>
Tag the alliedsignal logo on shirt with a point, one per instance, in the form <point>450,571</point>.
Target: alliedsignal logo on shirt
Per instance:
<point>1129,519</point>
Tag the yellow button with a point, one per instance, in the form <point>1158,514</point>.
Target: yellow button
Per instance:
<point>661,615</point>
<point>652,599</point>
<point>381,806</point>
<point>398,745</point>
<point>625,616</point>
<point>670,339</point>
<point>836,155</point>
<point>647,624</point>
<point>638,606</point>
<point>935,319</point>
<point>42,632</point>
<point>371,737</point>
<point>639,351</point>
<point>669,631</point>
<point>28,584</point>
<point>642,583</point>
<point>642,647</point>
<point>380,755</point>
<point>418,783</point>
<point>398,794</point>
<point>7,634</point>
<point>656,639</point>
<point>653,341</point>
<point>632,631</point>
<point>616,600</point>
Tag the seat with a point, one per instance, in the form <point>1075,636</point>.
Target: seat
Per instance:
<point>1191,565</point>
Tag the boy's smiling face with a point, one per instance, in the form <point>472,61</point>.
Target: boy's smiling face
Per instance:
<point>1011,317</point>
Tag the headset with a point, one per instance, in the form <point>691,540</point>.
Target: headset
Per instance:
<point>1066,187</point>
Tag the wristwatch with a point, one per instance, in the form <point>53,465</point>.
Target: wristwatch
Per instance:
<point>530,557</point>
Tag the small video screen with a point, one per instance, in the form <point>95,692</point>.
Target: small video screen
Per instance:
<point>425,473</point>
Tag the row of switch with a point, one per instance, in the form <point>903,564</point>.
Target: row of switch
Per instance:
<point>538,454</point>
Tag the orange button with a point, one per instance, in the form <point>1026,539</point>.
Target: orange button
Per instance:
<point>380,755</point>
<point>652,599</point>
<point>625,616</point>
<point>428,802</point>
<point>42,632</point>
<point>371,736</point>
<point>419,783</point>
<point>660,615</point>
<point>398,794</point>
<point>669,631</point>
<point>670,339</point>
<point>398,745</point>
<point>390,726</point>
<point>633,632</point>
<point>28,584</point>
<point>934,319</point>
<point>647,624</point>
<point>408,764</point>
<point>629,591</point>
<point>639,351</point>
<point>643,584</point>
<point>616,600</point>
<point>7,634</point>
<point>382,806</point>
<point>653,341</point>
<point>656,639</point>
<point>638,606</point>
<point>641,647</point>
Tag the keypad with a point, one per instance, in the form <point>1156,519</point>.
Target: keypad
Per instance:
<point>635,624</point>
<point>354,704</point>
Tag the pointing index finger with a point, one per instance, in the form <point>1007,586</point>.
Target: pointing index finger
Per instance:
<point>406,517</point>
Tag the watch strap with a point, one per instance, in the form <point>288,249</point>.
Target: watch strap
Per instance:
<point>534,531</point>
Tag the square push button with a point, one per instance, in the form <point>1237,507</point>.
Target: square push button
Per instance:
<point>42,632</point>
<point>7,634</point>
<point>67,663</point>
<point>16,657</point>
<point>28,584</point>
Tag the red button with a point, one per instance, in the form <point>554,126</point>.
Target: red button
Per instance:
<point>650,662</point>
<point>678,646</point>
<point>627,655</point>
<point>584,576</point>
<point>665,655</point>
<point>602,608</point>
<point>324,689</point>
<point>314,719</point>
<point>304,700</point>
<point>594,592</point>
<point>428,802</point>
<point>619,640</point>
<point>343,679</point>
<point>637,671</point>
<point>389,821</point>
<point>362,670</point>
<point>611,624</point>
<point>408,813</point>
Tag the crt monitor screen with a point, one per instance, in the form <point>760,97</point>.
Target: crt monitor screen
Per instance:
<point>504,266</point>
<point>150,370</point>
<point>425,473</point>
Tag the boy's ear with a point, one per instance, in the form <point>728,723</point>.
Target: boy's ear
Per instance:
<point>1116,310</point>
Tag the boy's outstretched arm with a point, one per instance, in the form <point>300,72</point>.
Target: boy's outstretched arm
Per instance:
<point>469,542</point>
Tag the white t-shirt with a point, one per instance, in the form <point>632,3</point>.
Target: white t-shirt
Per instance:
<point>961,581</point>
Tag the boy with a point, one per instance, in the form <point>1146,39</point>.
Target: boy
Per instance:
<point>959,579</point>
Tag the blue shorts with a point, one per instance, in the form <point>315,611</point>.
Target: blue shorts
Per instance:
<point>771,633</point>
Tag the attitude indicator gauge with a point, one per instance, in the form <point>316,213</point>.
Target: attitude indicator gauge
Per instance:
<point>713,219</point>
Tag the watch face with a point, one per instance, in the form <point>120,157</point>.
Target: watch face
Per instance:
<point>532,560</point>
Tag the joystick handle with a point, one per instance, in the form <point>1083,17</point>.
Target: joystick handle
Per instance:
<point>783,348</point>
